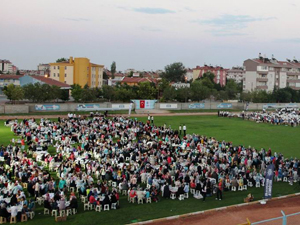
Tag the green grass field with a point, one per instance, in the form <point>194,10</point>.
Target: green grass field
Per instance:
<point>279,138</point>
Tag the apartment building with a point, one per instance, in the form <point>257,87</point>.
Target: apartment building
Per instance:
<point>6,66</point>
<point>263,73</point>
<point>236,74</point>
<point>218,71</point>
<point>77,71</point>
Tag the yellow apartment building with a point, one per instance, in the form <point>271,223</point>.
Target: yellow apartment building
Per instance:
<point>77,71</point>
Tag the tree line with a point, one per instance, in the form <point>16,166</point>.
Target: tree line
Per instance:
<point>200,89</point>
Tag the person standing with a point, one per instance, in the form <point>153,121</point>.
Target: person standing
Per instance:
<point>204,189</point>
<point>220,190</point>
<point>180,129</point>
<point>152,120</point>
<point>184,129</point>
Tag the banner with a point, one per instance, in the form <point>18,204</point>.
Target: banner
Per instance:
<point>269,181</point>
<point>144,104</point>
<point>46,107</point>
<point>120,106</point>
<point>270,106</point>
<point>224,106</point>
<point>168,106</point>
<point>88,107</point>
<point>197,106</point>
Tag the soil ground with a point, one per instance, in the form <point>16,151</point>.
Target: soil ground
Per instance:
<point>238,214</point>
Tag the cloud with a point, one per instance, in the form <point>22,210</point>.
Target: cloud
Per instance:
<point>232,21</point>
<point>77,19</point>
<point>290,40</point>
<point>226,33</point>
<point>151,29</point>
<point>189,9</point>
<point>153,10</point>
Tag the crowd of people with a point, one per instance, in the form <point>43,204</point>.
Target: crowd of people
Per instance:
<point>284,116</point>
<point>98,158</point>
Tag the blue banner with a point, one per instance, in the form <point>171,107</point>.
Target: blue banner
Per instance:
<point>270,106</point>
<point>46,107</point>
<point>197,106</point>
<point>224,106</point>
<point>269,181</point>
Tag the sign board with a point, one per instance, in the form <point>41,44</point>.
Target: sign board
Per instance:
<point>88,107</point>
<point>144,104</point>
<point>269,181</point>
<point>46,107</point>
<point>120,106</point>
<point>167,106</point>
<point>224,106</point>
<point>197,106</point>
<point>270,106</point>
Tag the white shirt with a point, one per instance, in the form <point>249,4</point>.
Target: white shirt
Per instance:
<point>14,211</point>
<point>184,127</point>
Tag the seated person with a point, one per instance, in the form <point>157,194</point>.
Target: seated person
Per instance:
<point>249,198</point>
<point>73,203</point>
<point>92,200</point>
<point>3,211</point>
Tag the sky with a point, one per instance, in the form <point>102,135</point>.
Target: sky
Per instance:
<point>148,34</point>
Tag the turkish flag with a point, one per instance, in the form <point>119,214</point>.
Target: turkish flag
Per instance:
<point>142,104</point>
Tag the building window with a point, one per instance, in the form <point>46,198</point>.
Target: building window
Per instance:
<point>65,75</point>
<point>58,67</point>
<point>65,82</point>
<point>58,75</point>
<point>54,75</point>
<point>54,67</point>
<point>264,67</point>
<point>65,67</point>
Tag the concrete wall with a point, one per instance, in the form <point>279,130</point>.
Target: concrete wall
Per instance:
<point>72,107</point>
<point>13,109</point>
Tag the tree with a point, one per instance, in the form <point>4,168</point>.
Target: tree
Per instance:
<point>88,94</point>
<point>18,72</point>
<point>163,84</point>
<point>14,93</point>
<point>64,95</point>
<point>113,68</point>
<point>199,91</point>
<point>124,95</point>
<point>169,93</point>
<point>231,88</point>
<point>130,74</point>
<point>147,91</point>
<point>209,75</point>
<point>174,72</point>
<point>183,94</point>
<point>76,91</point>
<point>61,60</point>
<point>108,92</point>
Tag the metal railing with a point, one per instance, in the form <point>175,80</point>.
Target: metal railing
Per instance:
<point>283,218</point>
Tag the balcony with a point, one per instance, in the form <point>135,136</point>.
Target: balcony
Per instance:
<point>293,73</point>
<point>295,88</point>
<point>293,80</point>
<point>262,87</point>
<point>263,71</point>
<point>262,79</point>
